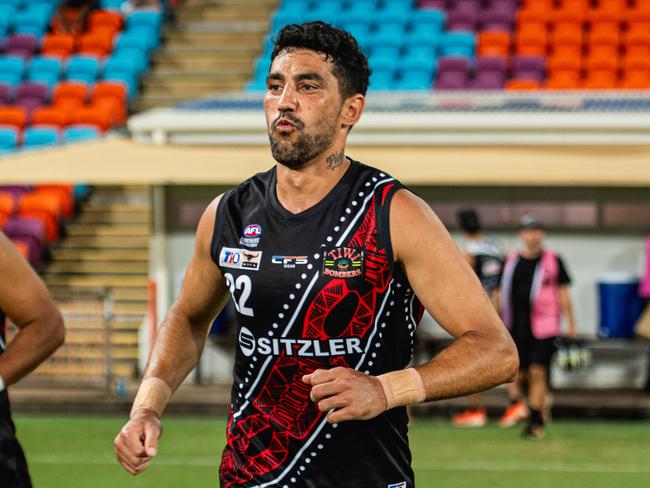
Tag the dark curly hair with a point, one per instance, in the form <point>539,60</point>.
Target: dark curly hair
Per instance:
<point>350,64</point>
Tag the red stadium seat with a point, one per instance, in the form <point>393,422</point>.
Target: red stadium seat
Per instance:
<point>13,115</point>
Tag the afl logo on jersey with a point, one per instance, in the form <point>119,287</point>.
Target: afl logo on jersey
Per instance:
<point>251,235</point>
<point>343,262</point>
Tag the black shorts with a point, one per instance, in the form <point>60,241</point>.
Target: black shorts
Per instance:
<point>535,351</point>
<point>13,467</point>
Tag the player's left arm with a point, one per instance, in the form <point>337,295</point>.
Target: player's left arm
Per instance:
<point>566,309</point>
<point>482,354</point>
<point>26,301</point>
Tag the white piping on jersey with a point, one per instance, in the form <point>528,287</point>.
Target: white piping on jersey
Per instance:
<point>265,365</point>
<point>268,359</point>
<point>2,344</point>
<point>324,421</point>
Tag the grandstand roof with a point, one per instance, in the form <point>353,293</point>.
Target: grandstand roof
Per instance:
<point>117,160</point>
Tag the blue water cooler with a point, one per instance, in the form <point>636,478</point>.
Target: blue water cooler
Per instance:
<point>620,305</point>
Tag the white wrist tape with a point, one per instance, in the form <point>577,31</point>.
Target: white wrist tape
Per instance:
<point>403,387</point>
<point>153,394</point>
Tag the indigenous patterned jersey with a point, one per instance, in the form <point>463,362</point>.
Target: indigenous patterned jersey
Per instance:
<point>317,289</point>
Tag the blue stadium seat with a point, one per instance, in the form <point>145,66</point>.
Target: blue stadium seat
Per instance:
<point>76,133</point>
<point>397,15</point>
<point>382,80</point>
<point>263,65</point>
<point>416,79</point>
<point>458,43</point>
<point>40,136</point>
<point>14,3</point>
<point>8,139</point>
<point>45,69</point>
<point>294,5</point>
<point>282,18</point>
<point>427,22</point>
<point>379,39</point>
<point>11,69</point>
<point>383,58</point>
<point>138,56</point>
<point>418,56</point>
<point>388,34</point>
<point>138,37</point>
<point>81,190</point>
<point>258,83</point>
<point>146,19</point>
<point>121,64</point>
<point>112,4</point>
<point>82,68</point>
<point>34,20</point>
<point>329,16</point>
<point>7,13</point>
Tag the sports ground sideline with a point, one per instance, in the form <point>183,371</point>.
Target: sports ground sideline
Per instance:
<point>77,452</point>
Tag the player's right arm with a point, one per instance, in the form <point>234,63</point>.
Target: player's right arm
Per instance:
<point>177,349</point>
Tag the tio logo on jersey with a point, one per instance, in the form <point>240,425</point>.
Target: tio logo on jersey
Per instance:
<point>231,257</point>
<point>297,347</point>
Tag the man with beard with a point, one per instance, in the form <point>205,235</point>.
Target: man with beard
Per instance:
<point>24,299</point>
<point>330,264</point>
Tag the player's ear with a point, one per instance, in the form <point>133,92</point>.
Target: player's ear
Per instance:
<point>352,109</point>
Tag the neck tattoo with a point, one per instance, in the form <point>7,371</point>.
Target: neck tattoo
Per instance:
<point>335,160</point>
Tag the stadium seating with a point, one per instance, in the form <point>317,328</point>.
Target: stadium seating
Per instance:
<point>47,77</point>
<point>598,37</point>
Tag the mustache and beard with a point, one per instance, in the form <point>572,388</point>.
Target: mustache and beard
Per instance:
<point>309,143</point>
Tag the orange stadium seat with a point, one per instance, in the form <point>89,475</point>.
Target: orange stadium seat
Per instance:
<point>3,220</point>
<point>606,33</point>
<point>494,43</point>
<point>603,51</point>
<point>98,116</point>
<point>563,80</point>
<point>22,248</point>
<point>570,33</point>
<point>606,12</point>
<point>96,44</point>
<point>532,16</point>
<point>531,39</point>
<point>570,51</point>
<point>13,115</point>
<point>56,116</point>
<point>574,11</point>
<point>70,90</point>
<point>103,18</point>
<point>636,72</point>
<point>63,192</point>
<point>113,97</point>
<point>47,208</point>
<point>59,45</point>
<point>601,71</point>
<point>7,205</point>
<point>522,85</point>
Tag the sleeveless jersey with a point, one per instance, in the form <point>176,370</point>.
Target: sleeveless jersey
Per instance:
<point>317,289</point>
<point>488,261</point>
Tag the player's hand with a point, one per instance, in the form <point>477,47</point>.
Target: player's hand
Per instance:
<point>137,442</point>
<point>347,393</point>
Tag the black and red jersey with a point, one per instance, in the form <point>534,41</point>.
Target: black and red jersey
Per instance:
<point>317,289</point>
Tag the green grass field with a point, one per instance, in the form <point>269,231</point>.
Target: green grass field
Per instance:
<point>77,453</point>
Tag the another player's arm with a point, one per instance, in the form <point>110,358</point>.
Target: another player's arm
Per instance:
<point>482,354</point>
<point>26,301</point>
<point>566,308</point>
<point>177,349</point>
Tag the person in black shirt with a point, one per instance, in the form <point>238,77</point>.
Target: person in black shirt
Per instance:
<point>330,264</point>
<point>24,299</point>
<point>534,297</point>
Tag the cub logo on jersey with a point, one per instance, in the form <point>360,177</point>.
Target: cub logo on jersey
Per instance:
<point>240,258</point>
<point>251,235</point>
<point>343,262</point>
